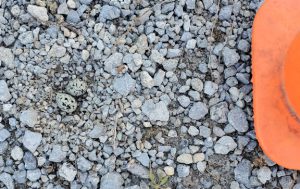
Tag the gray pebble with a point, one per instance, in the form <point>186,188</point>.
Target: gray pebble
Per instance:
<point>183,170</point>
<point>219,112</point>
<point>138,170</point>
<point>38,12</point>
<point>67,171</point>
<point>184,101</point>
<point>20,176</point>
<point>29,117</point>
<point>4,91</point>
<point>210,88</point>
<point>73,17</point>
<point>237,118</point>
<point>26,37</point>
<point>83,164</point>
<point>112,180</point>
<point>4,134</point>
<point>225,12</point>
<point>29,161</point>
<point>198,111</point>
<point>7,180</point>
<point>224,145</point>
<point>144,159</point>
<point>57,154</point>
<point>34,175</point>
<point>109,13</point>
<point>242,172</point>
<point>155,111</point>
<point>230,56</point>
<point>31,140</point>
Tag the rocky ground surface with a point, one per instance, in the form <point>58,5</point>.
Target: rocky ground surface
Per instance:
<point>131,94</point>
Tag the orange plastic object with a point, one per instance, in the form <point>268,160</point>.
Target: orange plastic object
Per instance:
<point>276,80</point>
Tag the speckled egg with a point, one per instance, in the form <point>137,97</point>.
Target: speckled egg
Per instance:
<point>66,102</point>
<point>76,87</point>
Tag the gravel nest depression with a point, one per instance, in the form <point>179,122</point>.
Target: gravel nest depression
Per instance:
<point>130,94</point>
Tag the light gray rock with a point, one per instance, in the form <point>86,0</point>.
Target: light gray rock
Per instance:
<point>155,112</point>
<point>4,91</point>
<point>31,140</point>
<point>83,164</point>
<point>219,112</point>
<point>29,161</point>
<point>208,3</point>
<point>66,102</point>
<point>73,17</point>
<point>184,101</point>
<point>7,180</point>
<point>112,180</point>
<point>124,84</point>
<point>286,182</point>
<point>7,57</point>
<point>204,131</point>
<point>224,145</point>
<point>237,118</point>
<point>142,44</point>
<point>29,117</point>
<point>57,51</point>
<point>67,171</point>
<point>146,80</point>
<point>201,166</point>
<point>63,9</point>
<point>112,62</point>
<point>37,12</point>
<point>17,153</point>
<point>170,64</point>
<point>243,45</point>
<point>197,84</point>
<point>138,170</point>
<point>198,111</point>
<point>159,77</point>
<point>20,176</point>
<point>157,57</point>
<point>26,37</point>
<point>57,154</point>
<point>76,87</point>
<point>97,131</point>
<point>230,56</point>
<point>242,172</point>
<point>185,159</point>
<point>109,13</point>
<point>183,170</point>
<point>225,12</point>
<point>3,147</point>
<point>4,134</point>
<point>144,159</point>
<point>173,53</point>
<point>193,131</point>
<point>264,174</point>
<point>210,88</point>
<point>191,4</point>
<point>167,7</point>
<point>34,175</point>
<point>191,44</point>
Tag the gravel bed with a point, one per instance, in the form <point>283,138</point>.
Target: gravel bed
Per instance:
<point>109,94</point>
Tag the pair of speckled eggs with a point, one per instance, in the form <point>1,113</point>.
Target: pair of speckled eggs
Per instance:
<point>67,102</point>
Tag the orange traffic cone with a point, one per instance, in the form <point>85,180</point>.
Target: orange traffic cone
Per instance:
<point>276,80</point>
